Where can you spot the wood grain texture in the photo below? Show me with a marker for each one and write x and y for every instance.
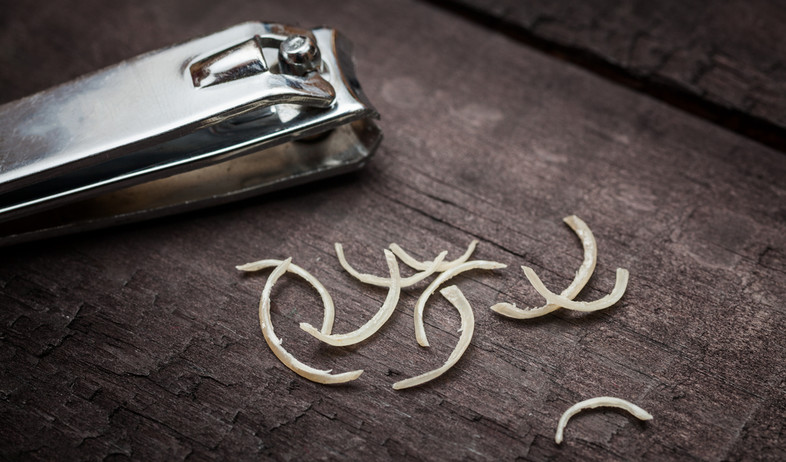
(725, 61)
(143, 342)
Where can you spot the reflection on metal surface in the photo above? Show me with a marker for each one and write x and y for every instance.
(200, 123)
(237, 62)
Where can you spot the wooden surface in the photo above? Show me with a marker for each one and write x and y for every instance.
(724, 60)
(143, 342)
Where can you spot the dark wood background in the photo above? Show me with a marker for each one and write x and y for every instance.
(143, 341)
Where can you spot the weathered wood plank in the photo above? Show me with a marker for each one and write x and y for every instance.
(143, 341)
(724, 61)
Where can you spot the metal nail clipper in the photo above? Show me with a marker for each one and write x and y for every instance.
(254, 108)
